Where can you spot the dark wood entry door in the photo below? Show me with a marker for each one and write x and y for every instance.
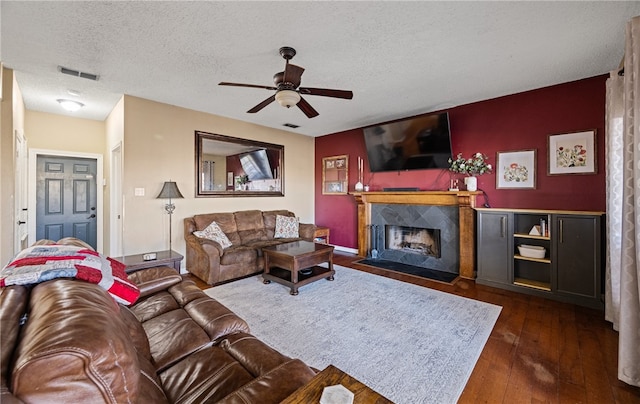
(66, 198)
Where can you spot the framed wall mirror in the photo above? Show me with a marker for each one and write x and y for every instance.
(230, 166)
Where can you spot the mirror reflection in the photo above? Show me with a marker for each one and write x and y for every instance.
(230, 166)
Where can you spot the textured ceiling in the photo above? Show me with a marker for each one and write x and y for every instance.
(399, 58)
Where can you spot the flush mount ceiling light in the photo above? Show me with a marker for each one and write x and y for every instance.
(70, 105)
(287, 98)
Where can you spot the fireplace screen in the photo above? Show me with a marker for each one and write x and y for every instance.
(413, 240)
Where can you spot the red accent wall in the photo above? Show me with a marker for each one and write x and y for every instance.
(516, 122)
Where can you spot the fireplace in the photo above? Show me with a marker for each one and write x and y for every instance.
(413, 240)
(450, 212)
(416, 235)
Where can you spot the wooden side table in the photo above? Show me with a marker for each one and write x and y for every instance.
(163, 258)
(312, 391)
(321, 235)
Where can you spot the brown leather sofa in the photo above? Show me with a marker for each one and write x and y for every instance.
(248, 231)
(67, 341)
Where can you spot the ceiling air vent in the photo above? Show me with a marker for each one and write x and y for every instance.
(291, 125)
(76, 73)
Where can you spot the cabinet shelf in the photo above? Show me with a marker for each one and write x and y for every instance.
(542, 260)
(530, 283)
(530, 236)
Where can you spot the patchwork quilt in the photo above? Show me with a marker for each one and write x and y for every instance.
(41, 263)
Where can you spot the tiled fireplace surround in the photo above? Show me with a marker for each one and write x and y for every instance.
(451, 212)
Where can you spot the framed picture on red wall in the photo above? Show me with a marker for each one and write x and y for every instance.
(516, 169)
(572, 153)
(335, 175)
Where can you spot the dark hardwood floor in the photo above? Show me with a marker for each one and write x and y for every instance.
(540, 351)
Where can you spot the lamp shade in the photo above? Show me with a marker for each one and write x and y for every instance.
(170, 191)
(287, 98)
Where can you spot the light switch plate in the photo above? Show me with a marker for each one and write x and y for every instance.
(138, 191)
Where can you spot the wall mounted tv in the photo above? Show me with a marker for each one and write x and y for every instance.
(418, 143)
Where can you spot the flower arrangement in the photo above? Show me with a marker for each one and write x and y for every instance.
(242, 179)
(476, 165)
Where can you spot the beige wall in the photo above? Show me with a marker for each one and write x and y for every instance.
(60, 132)
(6, 168)
(64, 134)
(159, 145)
(114, 128)
(12, 113)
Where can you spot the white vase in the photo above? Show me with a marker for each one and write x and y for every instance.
(471, 183)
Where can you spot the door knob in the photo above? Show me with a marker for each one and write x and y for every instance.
(21, 222)
(92, 216)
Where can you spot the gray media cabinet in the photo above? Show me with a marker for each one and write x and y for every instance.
(570, 271)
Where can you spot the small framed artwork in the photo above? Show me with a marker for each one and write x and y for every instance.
(572, 153)
(334, 187)
(335, 175)
(516, 169)
(230, 178)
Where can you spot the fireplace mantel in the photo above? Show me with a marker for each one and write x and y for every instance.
(465, 200)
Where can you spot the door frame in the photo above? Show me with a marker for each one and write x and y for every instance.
(116, 204)
(100, 182)
(21, 197)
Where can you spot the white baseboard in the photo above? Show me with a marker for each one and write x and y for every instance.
(346, 249)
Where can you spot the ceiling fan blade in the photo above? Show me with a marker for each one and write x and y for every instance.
(262, 104)
(326, 92)
(293, 74)
(224, 83)
(307, 108)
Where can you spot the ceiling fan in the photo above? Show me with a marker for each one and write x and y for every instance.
(287, 88)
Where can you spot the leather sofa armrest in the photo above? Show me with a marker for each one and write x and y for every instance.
(153, 280)
(199, 244)
(203, 258)
(215, 244)
(13, 304)
(307, 231)
(274, 386)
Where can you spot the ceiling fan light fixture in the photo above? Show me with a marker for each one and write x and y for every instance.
(287, 98)
(70, 105)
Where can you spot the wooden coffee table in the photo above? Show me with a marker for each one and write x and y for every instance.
(295, 264)
(312, 391)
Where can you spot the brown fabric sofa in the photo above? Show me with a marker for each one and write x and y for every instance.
(67, 341)
(248, 231)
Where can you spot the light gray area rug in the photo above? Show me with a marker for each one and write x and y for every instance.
(411, 344)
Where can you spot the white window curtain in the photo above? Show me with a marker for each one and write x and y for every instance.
(622, 305)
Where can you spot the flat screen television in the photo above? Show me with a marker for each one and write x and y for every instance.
(419, 143)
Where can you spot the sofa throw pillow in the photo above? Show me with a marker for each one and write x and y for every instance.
(286, 227)
(214, 232)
